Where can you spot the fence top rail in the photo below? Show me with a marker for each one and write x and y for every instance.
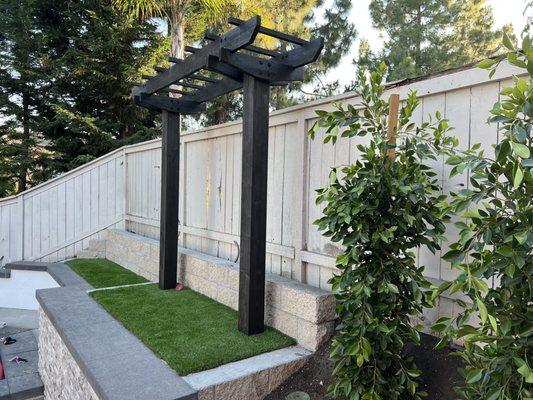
(453, 79)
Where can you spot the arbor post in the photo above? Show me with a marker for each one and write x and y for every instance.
(170, 161)
(253, 206)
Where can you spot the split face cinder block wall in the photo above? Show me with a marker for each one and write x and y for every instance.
(301, 311)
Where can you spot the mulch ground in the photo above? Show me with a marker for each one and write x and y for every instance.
(439, 370)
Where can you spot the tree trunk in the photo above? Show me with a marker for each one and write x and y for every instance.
(177, 40)
(221, 110)
(177, 44)
(418, 39)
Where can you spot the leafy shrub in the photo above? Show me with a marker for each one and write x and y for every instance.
(380, 210)
(495, 245)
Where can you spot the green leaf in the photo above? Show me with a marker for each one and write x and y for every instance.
(526, 373)
(393, 288)
(414, 373)
(474, 376)
(507, 42)
(486, 64)
(466, 330)
(521, 150)
(360, 360)
(493, 323)
(312, 131)
(439, 327)
(452, 255)
(442, 344)
(494, 395)
(518, 177)
(505, 251)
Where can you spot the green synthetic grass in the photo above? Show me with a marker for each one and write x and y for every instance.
(101, 273)
(189, 331)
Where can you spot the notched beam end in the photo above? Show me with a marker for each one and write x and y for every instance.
(303, 55)
(157, 103)
(241, 36)
(190, 49)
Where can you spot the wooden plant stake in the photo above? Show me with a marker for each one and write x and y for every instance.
(392, 125)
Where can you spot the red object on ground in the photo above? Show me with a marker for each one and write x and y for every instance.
(1, 371)
(179, 287)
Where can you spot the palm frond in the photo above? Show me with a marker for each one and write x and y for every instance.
(143, 9)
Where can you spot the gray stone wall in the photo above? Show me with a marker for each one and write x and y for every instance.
(250, 379)
(61, 375)
(301, 311)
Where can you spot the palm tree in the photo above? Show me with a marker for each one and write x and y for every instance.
(197, 14)
(173, 11)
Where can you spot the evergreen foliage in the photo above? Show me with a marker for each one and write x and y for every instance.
(66, 70)
(426, 36)
(381, 211)
(299, 17)
(20, 97)
(91, 104)
(494, 254)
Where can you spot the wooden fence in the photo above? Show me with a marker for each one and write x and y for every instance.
(56, 219)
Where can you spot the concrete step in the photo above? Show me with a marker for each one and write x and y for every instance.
(89, 254)
(97, 245)
(5, 273)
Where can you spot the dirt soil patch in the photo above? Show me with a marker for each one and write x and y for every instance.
(439, 371)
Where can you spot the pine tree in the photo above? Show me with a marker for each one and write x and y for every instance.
(65, 82)
(283, 15)
(92, 112)
(425, 36)
(338, 33)
(20, 95)
(473, 37)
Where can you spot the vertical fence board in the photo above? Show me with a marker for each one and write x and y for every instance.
(430, 105)
(458, 110)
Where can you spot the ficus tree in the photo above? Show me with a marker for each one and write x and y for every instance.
(380, 209)
(494, 251)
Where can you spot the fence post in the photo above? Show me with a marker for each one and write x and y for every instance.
(20, 204)
(299, 206)
(124, 222)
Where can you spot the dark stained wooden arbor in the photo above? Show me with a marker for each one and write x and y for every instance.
(227, 63)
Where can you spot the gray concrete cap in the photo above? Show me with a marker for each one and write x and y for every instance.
(115, 362)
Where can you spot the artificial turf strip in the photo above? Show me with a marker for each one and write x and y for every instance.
(189, 331)
(101, 273)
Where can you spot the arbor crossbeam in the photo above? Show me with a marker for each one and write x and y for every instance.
(223, 56)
